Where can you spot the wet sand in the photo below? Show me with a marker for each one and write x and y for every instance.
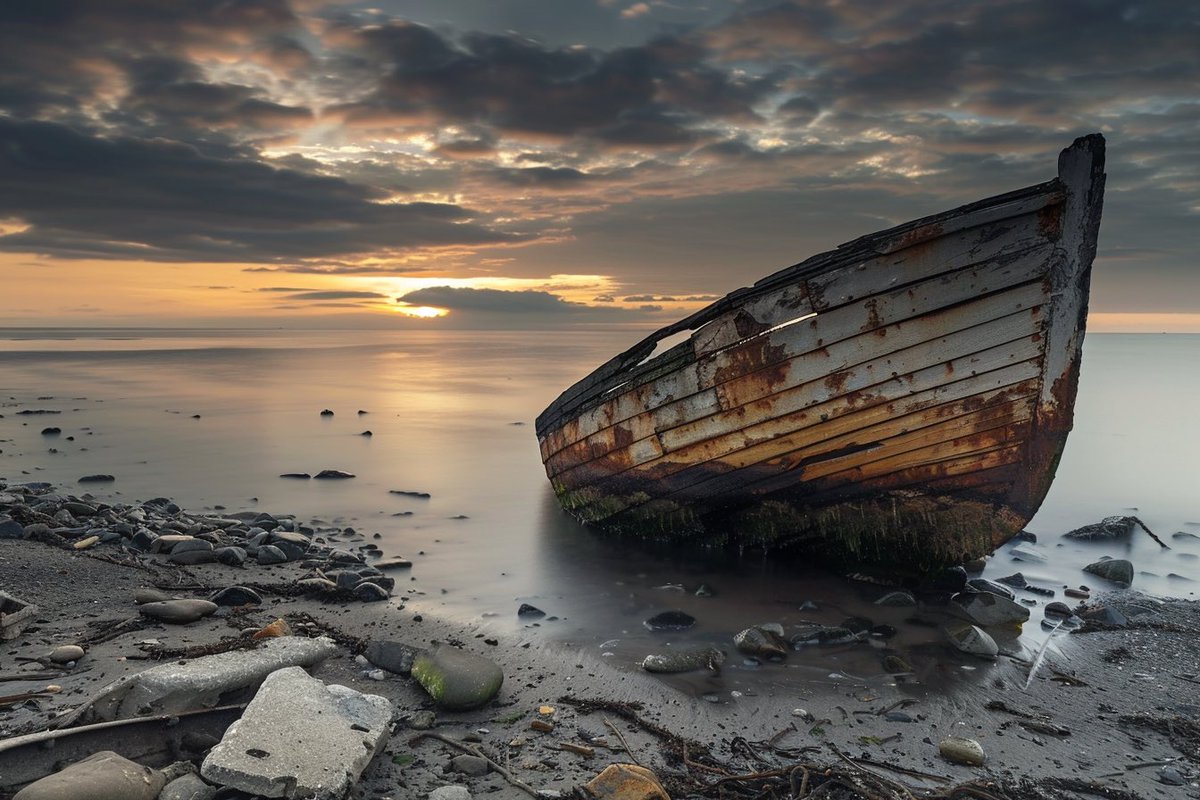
(1122, 700)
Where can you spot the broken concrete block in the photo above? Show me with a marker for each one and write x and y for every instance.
(100, 776)
(300, 738)
(200, 683)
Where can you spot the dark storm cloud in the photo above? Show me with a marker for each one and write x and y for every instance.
(649, 94)
(86, 196)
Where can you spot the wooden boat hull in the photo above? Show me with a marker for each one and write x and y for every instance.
(902, 400)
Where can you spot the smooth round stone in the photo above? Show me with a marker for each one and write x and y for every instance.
(190, 557)
(316, 586)
(760, 642)
(670, 621)
(344, 557)
(345, 579)
(178, 612)
(190, 545)
(1117, 570)
(684, 660)
(143, 596)
(962, 751)
(1057, 610)
(237, 596)
(100, 776)
(457, 680)
(66, 652)
(395, 657)
(270, 554)
(369, 592)
(231, 556)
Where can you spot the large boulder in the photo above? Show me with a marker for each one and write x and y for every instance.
(456, 679)
(1109, 529)
(1117, 570)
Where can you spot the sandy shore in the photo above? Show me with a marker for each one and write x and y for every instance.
(1106, 713)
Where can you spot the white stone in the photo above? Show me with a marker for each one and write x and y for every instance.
(300, 738)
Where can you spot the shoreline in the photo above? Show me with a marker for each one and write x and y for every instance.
(1115, 692)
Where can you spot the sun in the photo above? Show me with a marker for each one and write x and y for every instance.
(423, 312)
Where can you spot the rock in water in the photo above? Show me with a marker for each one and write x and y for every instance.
(1109, 529)
(962, 751)
(457, 680)
(178, 612)
(1117, 570)
(100, 776)
(972, 640)
(985, 608)
(760, 642)
(97, 479)
(684, 661)
(530, 612)
(327, 474)
(626, 782)
(670, 621)
(276, 750)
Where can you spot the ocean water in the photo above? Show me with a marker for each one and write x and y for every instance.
(211, 418)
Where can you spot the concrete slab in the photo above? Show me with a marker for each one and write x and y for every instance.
(199, 683)
(299, 738)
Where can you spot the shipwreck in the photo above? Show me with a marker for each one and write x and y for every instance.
(902, 400)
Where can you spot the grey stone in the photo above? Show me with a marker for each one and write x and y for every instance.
(100, 776)
(1109, 529)
(178, 612)
(143, 539)
(392, 656)
(450, 793)
(189, 545)
(231, 556)
(188, 787)
(986, 609)
(1117, 570)
(984, 585)
(1028, 553)
(456, 679)
(1106, 615)
(684, 660)
(175, 687)
(761, 643)
(333, 474)
(276, 750)
(823, 634)
(316, 586)
(395, 562)
(143, 596)
(670, 621)
(474, 766)
(962, 751)
(1170, 775)
(237, 596)
(422, 720)
(11, 529)
(897, 599)
(370, 592)
(270, 554)
(190, 557)
(973, 640)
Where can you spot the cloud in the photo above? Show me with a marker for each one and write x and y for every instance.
(527, 306)
(87, 196)
(335, 295)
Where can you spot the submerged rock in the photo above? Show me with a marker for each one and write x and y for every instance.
(761, 642)
(335, 474)
(972, 640)
(457, 680)
(823, 634)
(1109, 529)
(670, 621)
(1117, 570)
(986, 609)
(687, 660)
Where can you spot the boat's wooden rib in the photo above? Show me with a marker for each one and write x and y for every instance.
(909, 392)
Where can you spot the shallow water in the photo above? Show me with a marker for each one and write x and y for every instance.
(452, 414)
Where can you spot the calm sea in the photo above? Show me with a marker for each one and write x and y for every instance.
(452, 414)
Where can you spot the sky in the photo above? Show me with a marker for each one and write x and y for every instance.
(317, 163)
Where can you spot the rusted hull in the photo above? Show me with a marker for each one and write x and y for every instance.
(902, 400)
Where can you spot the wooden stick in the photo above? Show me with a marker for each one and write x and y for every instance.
(621, 738)
(1161, 543)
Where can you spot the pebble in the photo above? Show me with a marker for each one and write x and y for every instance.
(65, 653)
(370, 592)
(1170, 775)
(422, 720)
(962, 751)
(237, 596)
(974, 641)
(98, 478)
(270, 554)
(684, 660)
(474, 766)
(178, 612)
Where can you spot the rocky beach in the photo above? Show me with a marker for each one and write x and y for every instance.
(228, 632)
